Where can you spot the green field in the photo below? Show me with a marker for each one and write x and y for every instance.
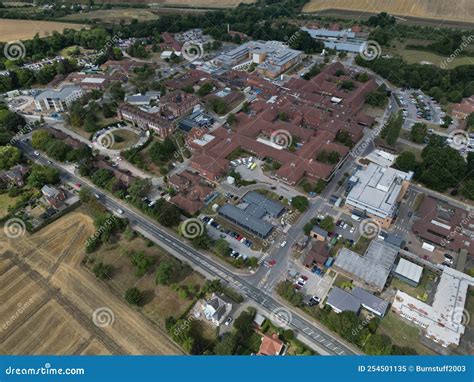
(417, 56)
(5, 202)
(402, 334)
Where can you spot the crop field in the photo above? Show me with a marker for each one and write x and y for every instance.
(48, 298)
(430, 9)
(11, 30)
(114, 15)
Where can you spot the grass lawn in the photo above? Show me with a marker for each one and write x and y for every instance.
(161, 301)
(415, 56)
(124, 139)
(402, 334)
(427, 278)
(5, 202)
(114, 15)
(417, 203)
(362, 245)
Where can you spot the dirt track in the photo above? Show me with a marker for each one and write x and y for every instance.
(48, 299)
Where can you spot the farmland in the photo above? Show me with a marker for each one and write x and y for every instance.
(48, 299)
(114, 15)
(11, 30)
(430, 9)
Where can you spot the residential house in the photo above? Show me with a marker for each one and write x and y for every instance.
(53, 196)
(271, 345)
(216, 309)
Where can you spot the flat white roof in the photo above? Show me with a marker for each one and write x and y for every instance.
(93, 80)
(443, 320)
(204, 140)
(409, 270)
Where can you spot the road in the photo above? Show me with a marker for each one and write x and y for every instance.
(323, 341)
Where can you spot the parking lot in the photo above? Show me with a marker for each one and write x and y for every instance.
(237, 242)
(418, 107)
(315, 285)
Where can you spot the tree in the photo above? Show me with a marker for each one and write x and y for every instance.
(406, 161)
(85, 195)
(231, 119)
(418, 132)
(40, 139)
(41, 175)
(327, 223)
(299, 202)
(57, 149)
(134, 296)
(9, 156)
(102, 271)
(142, 263)
(470, 121)
(205, 89)
(164, 273)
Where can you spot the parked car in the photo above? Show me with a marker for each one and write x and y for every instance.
(283, 244)
(228, 321)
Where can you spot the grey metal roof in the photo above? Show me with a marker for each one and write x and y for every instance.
(374, 267)
(409, 270)
(319, 231)
(394, 240)
(61, 94)
(272, 207)
(245, 220)
(367, 299)
(343, 301)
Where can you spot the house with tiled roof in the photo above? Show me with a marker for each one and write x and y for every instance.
(271, 345)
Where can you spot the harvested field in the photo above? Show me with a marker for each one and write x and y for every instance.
(114, 15)
(11, 30)
(429, 9)
(48, 299)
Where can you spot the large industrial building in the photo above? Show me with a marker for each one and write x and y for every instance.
(376, 191)
(58, 100)
(252, 212)
(370, 270)
(444, 320)
(271, 57)
(343, 40)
